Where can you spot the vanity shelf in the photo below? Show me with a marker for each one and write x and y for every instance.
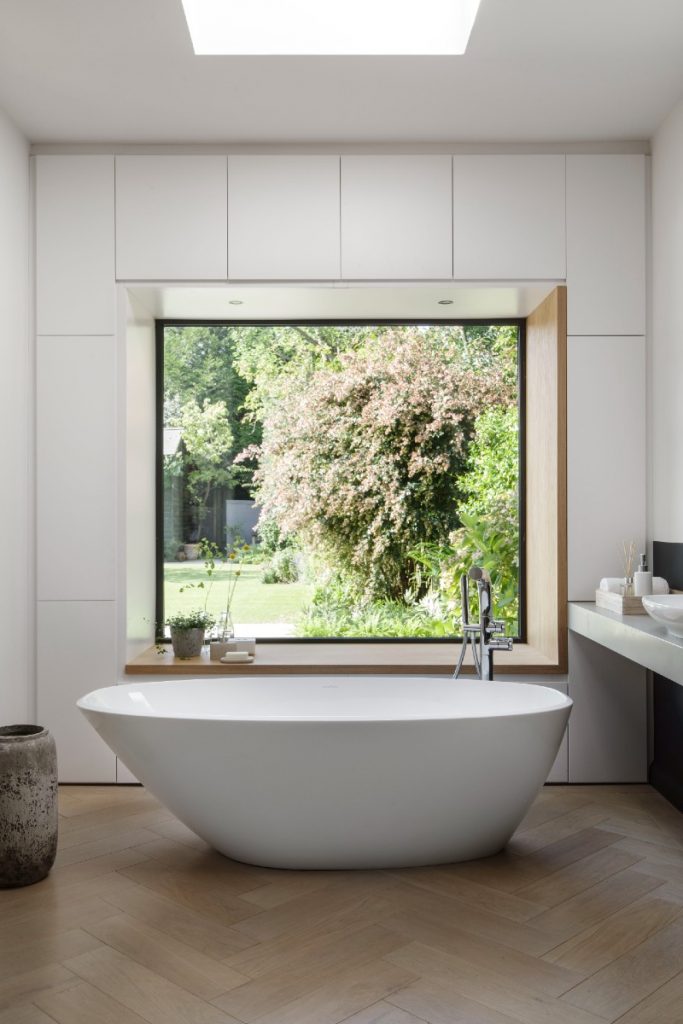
(636, 637)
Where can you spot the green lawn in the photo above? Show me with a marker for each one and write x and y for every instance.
(253, 601)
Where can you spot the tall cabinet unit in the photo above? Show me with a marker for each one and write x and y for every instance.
(606, 485)
(75, 453)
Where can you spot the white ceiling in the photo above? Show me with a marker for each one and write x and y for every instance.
(535, 71)
(339, 302)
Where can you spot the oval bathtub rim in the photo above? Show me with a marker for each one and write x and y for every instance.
(84, 704)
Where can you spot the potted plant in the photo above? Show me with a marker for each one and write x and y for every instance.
(187, 632)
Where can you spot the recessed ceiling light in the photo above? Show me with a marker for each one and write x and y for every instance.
(235, 302)
(321, 27)
(445, 302)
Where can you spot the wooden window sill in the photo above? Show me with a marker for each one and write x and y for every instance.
(343, 659)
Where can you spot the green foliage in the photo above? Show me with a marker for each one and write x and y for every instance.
(364, 462)
(171, 548)
(489, 534)
(282, 568)
(337, 610)
(207, 442)
(199, 365)
(197, 619)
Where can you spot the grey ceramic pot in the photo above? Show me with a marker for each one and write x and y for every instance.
(28, 804)
(187, 643)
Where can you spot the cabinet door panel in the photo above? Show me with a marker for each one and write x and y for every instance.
(76, 653)
(606, 244)
(396, 217)
(283, 217)
(508, 217)
(171, 218)
(606, 457)
(76, 468)
(75, 290)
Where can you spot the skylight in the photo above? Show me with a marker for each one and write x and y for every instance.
(330, 27)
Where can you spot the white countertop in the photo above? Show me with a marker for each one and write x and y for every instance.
(636, 637)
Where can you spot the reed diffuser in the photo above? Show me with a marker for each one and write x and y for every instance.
(629, 559)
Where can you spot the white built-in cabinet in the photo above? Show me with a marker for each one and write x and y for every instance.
(171, 218)
(75, 291)
(283, 218)
(194, 218)
(76, 654)
(606, 217)
(606, 456)
(509, 217)
(396, 214)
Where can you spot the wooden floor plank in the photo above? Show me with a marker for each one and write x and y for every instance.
(662, 1007)
(632, 977)
(383, 1013)
(293, 979)
(596, 903)
(342, 996)
(85, 1004)
(27, 1014)
(174, 960)
(484, 986)
(594, 948)
(143, 991)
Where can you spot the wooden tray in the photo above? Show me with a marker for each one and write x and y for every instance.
(619, 604)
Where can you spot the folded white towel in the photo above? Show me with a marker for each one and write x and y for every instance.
(613, 584)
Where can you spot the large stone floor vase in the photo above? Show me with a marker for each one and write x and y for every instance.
(28, 804)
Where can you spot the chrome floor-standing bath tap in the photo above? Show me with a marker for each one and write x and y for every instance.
(484, 636)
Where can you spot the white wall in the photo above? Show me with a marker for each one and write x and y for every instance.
(16, 413)
(666, 417)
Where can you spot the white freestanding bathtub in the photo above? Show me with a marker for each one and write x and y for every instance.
(338, 772)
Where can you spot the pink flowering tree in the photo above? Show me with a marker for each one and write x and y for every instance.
(362, 463)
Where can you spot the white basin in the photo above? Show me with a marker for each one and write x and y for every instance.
(666, 609)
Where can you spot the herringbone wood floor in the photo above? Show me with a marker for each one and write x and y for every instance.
(580, 921)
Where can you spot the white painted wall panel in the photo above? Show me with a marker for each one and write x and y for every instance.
(396, 215)
(138, 571)
(608, 724)
(75, 290)
(283, 217)
(606, 457)
(16, 419)
(171, 218)
(509, 217)
(666, 437)
(76, 654)
(606, 250)
(76, 468)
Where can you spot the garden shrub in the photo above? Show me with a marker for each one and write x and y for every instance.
(364, 462)
(282, 568)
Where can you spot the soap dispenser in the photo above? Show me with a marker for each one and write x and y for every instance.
(642, 579)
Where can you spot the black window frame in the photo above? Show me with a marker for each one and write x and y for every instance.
(159, 327)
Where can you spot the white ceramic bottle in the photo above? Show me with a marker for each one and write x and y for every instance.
(642, 579)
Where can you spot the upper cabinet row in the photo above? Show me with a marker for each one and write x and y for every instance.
(318, 218)
(326, 217)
